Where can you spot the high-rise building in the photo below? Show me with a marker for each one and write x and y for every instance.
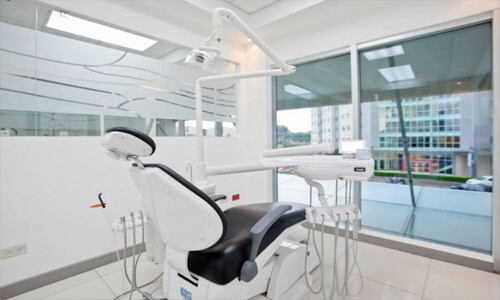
(331, 124)
(447, 134)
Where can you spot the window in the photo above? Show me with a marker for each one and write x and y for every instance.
(310, 118)
(446, 101)
(66, 97)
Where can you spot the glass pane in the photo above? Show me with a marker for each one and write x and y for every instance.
(17, 123)
(313, 107)
(437, 91)
(166, 127)
(56, 124)
(62, 78)
(18, 101)
(119, 121)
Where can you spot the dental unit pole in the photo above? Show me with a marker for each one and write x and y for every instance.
(219, 15)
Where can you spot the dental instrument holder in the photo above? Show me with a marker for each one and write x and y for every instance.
(337, 213)
(126, 223)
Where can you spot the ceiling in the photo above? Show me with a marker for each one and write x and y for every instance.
(253, 6)
(447, 63)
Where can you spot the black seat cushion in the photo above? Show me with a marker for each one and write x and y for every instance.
(222, 262)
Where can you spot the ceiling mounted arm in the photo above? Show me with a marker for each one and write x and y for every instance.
(221, 14)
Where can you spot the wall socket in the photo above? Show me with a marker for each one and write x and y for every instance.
(12, 251)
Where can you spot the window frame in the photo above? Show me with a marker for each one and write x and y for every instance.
(431, 250)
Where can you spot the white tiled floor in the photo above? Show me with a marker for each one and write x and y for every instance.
(385, 274)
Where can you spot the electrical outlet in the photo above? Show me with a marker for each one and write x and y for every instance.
(13, 251)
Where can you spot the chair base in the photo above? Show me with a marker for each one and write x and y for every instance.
(279, 273)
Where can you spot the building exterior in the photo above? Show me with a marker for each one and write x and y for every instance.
(448, 134)
(331, 124)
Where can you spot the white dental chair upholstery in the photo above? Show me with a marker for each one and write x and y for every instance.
(221, 247)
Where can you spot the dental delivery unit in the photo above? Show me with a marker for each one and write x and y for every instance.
(248, 249)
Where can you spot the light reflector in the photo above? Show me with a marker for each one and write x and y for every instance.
(67, 23)
(384, 52)
(398, 73)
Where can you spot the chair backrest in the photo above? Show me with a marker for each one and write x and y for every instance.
(186, 217)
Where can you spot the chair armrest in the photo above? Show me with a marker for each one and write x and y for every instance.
(216, 198)
(249, 269)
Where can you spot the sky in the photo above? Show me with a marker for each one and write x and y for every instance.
(297, 120)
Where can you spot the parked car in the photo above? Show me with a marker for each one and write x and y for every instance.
(395, 180)
(472, 187)
(486, 180)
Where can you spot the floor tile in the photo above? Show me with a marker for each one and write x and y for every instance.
(146, 272)
(394, 268)
(299, 184)
(388, 193)
(449, 281)
(387, 217)
(329, 242)
(456, 201)
(58, 286)
(359, 288)
(472, 232)
(300, 289)
(95, 289)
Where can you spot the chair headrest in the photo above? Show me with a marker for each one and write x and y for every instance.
(123, 142)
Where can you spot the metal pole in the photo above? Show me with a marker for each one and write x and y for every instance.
(403, 134)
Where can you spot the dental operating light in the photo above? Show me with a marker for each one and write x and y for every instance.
(74, 25)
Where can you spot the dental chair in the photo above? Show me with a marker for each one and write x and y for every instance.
(208, 253)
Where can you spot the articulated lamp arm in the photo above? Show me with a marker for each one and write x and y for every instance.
(219, 15)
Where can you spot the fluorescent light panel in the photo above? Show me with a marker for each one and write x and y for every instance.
(384, 52)
(64, 22)
(296, 90)
(398, 73)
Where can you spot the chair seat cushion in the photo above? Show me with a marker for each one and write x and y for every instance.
(222, 262)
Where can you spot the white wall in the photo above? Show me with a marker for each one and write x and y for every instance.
(48, 183)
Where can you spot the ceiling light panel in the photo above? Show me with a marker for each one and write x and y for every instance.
(74, 25)
(384, 52)
(296, 90)
(299, 91)
(398, 73)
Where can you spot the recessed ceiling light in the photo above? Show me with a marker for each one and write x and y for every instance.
(384, 52)
(398, 73)
(296, 90)
(299, 91)
(71, 24)
(249, 40)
